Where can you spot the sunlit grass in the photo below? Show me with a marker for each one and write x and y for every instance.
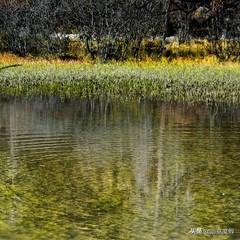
(183, 79)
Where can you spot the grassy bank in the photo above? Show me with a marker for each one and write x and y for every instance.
(204, 80)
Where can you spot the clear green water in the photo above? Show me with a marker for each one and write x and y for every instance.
(100, 170)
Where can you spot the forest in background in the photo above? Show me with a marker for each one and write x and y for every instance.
(118, 29)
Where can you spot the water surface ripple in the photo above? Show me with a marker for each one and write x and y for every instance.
(109, 170)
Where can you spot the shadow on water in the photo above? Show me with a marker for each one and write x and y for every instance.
(110, 170)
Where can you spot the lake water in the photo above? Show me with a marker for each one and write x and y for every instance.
(103, 170)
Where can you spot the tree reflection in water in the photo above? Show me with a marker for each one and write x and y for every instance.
(110, 170)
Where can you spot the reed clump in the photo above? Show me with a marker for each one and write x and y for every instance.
(186, 81)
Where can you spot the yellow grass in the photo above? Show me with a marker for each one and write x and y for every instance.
(8, 58)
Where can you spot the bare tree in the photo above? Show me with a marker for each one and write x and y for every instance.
(110, 28)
